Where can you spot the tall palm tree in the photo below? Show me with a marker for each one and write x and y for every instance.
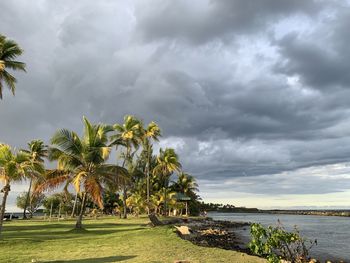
(37, 151)
(9, 50)
(13, 168)
(81, 162)
(128, 135)
(151, 132)
(167, 163)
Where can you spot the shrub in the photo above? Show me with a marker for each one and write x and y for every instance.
(275, 243)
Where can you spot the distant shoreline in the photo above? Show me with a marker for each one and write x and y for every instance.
(316, 212)
(344, 213)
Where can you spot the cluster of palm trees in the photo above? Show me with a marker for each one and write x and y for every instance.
(141, 178)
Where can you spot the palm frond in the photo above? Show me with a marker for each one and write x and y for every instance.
(78, 179)
(67, 141)
(52, 179)
(15, 65)
(10, 81)
(94, 188)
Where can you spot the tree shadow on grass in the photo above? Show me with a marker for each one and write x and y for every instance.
(47, 225)
(95, 260)
(65, 234)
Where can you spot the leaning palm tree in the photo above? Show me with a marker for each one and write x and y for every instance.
(9, 50)
(128, 135)
(167, 163)
(151, 132)
(37, 151)
(81, 162)
(13, 167)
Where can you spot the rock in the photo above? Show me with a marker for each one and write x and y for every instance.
(211, 231)
(182, 261)
(183, 230)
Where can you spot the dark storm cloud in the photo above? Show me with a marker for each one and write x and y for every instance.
(321, 58)
(261, 89)
(203, 21)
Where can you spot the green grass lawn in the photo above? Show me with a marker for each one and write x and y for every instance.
(104, 240)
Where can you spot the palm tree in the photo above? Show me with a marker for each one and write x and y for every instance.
(13, 167)
(128, 135)
(186, 184)
(81, 162)
(151, 132)
(136, 202)
(9, 50)
(164, 195)
(167, 163)
(37, 151)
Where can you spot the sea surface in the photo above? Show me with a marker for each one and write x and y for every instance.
(332, 232)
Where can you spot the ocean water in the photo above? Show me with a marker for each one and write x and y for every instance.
(332, 232)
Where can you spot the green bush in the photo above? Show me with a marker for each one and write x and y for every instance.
(275, 243)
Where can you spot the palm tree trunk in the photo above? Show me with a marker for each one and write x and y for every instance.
(165, 195)
(127, 162)
(6, 191)
(51, 210)
(27, 199)
(148, 174)
(74, 205)
(79, 223)
(125, 214)
(148, 212)
(165, 202)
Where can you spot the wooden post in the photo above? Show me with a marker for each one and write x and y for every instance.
(186, 209)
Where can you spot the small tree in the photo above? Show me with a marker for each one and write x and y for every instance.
(35, 201)
(51, 203)
(63, 201)
(111, 201)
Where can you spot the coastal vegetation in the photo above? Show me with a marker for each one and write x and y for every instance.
(228, 208)
(276, 244)
(29, 202)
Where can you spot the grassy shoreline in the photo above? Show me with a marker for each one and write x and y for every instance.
(104, 240)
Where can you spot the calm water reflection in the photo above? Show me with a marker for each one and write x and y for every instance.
(332, 233)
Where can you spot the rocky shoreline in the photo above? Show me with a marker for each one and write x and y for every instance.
(221, 234)
(210, 233)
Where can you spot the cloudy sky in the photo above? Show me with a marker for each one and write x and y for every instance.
(253, 95)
